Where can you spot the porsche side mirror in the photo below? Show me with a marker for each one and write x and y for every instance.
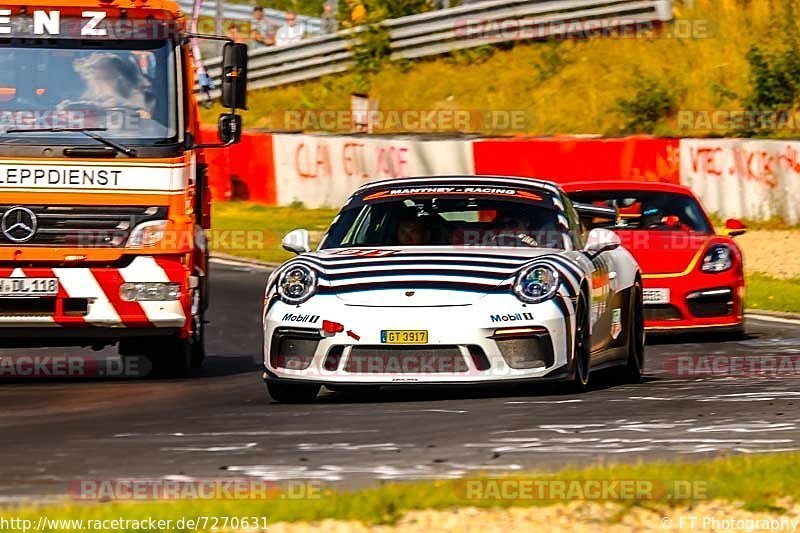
(601, 240)
(734, 228)
(297, 241)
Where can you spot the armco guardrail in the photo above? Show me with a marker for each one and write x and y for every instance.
(446, 30)
(245, 12)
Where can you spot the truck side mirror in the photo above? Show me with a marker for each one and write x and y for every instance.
(234, 76)
(230, 129)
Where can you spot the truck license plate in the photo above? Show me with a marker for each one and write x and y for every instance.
(28, 287)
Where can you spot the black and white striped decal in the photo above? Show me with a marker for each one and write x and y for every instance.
(479, 272)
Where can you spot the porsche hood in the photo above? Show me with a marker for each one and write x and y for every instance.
(426, 277)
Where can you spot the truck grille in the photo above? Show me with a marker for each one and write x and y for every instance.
(78, 226)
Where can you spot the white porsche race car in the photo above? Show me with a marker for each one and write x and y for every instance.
(452, 281)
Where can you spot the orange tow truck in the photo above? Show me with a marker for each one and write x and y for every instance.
(104, 198)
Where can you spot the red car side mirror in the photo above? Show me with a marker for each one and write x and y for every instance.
(734, 228)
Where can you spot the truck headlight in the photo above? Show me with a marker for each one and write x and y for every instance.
(150, 292)
(147, 234)
(296, 284)
(719, 258)
(536, 284)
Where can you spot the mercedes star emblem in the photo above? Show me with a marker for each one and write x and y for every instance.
(19, 224)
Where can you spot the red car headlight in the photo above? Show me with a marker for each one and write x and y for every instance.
(719, 258)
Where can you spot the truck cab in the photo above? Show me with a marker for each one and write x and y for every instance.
(104, 199)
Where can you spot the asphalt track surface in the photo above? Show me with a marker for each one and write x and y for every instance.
(221, 424)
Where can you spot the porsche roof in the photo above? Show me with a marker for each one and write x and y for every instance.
(479, 181)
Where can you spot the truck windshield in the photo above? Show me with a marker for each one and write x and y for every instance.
(128, 89)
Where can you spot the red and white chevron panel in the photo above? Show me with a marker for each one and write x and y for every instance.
(101, 286)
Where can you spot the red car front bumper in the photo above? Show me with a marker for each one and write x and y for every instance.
(695, 301)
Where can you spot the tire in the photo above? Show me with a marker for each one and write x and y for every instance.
(738, 333)
(198, 342)
(292, 392)
(200, 304)
(634, 365)
(581, 365)
(170, 357)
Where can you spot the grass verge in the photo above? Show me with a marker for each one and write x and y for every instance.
(761, 483)
(769, 294)
(255, 231)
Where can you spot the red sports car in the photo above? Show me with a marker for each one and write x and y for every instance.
(693, 276)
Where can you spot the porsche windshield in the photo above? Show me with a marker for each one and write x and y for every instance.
(645, 210)
(450, 221)
(126, 89)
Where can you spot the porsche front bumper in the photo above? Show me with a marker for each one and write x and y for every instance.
(498, 339)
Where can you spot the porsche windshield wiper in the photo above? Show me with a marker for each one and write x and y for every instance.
(89, 132)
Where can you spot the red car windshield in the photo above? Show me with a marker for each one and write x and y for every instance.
(649, 210)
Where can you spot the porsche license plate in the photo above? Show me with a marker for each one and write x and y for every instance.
(655, 296)
(403, 336)
(28, 287)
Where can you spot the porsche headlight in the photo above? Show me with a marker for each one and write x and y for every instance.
(536, 284)
(719, 258)
(296, 284)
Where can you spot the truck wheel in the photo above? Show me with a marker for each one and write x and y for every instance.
(170, 357)
(292, 392)
(198, 341)
(199, 308)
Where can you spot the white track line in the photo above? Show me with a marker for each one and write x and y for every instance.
(241, 264)
(766, 318)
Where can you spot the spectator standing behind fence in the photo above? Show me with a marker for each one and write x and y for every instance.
(291, 32)
(235, 35)
(329, 22)
(261, 31)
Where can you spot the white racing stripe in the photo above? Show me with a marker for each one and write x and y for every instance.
(81, 283)
(421, 267)
(445, 280)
